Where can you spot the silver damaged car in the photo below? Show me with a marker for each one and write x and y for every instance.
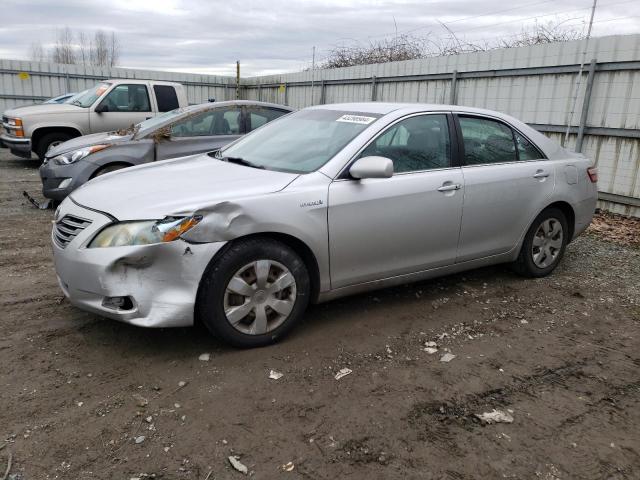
(325, 202)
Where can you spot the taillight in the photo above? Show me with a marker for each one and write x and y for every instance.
(593, 174)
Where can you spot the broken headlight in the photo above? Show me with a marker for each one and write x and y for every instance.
(144, 232)
(75, 155)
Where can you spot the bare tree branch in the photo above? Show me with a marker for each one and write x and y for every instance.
(37, 52)
(409, 47)
(64, 49)
(114, 50)
(101, 49)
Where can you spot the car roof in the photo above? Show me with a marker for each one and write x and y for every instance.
(384, 108)
(139, 81)
(226, 103)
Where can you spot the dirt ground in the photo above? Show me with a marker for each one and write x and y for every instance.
(82, 397)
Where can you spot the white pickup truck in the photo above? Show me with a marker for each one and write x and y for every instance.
(109, 105)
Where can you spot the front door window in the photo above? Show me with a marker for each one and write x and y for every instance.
(127, 98)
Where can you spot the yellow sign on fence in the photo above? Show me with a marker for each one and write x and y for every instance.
(282, 88)
(23, 76)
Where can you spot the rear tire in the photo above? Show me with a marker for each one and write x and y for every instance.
(544, 244)
(50, 140)
(254, 293)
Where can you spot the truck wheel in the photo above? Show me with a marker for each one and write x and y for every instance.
(50, 140)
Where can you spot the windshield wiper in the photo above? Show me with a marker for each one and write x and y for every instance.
(241, 161)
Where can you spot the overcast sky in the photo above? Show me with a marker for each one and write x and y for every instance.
(208, 36)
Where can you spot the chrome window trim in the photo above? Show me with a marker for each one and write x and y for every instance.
(504, 163)
(444, 113)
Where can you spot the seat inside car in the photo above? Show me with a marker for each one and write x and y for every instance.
(221, 125)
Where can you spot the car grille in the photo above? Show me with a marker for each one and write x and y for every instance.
(66, 229)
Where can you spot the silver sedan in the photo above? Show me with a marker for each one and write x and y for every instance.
(325, 202)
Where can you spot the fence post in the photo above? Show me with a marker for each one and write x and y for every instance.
(286, 94)
(238, 80)
(373, 88)
(259, 92)
(585, 104)
(452, 93)
(322, 92)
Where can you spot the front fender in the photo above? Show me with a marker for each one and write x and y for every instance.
(31, 129)
(132, 153)
(299, 210)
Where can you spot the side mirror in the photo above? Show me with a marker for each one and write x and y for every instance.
(103, 107)
(372, 167)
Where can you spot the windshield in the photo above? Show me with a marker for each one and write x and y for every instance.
(164, 118)
(300, 142)
(59, 99)
(86, 98)
(75, 96)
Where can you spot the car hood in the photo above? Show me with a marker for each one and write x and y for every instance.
(44, 109)
(176, 187)
(87, 141)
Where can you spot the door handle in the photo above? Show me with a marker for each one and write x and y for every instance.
(450, 187)
(541, 174)
(147, 118)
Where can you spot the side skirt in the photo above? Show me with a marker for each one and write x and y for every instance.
(415, 277)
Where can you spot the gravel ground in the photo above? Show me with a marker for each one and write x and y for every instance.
(87, 398)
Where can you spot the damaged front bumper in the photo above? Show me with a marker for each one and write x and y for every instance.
(58, 181)
(146, 285)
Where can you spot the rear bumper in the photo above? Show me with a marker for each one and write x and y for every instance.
(161, 280)
(18, 146)
(584, 211)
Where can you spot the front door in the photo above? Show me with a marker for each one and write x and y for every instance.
(380, 228)
(124, 105)
(507, 182)
(202, 132)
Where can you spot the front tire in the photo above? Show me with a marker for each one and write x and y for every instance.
(50, 140)
(108, 169)
(254, 293)
(544, 244)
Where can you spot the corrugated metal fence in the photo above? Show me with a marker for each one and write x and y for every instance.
(23, 83)
(536, 84)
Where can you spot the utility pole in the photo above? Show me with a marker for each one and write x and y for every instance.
(313, 74)
(238, 80)
(580, 71)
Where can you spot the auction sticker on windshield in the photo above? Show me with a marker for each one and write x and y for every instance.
(356, 119)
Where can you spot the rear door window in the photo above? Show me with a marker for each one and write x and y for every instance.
(526, 150)
(217, 121)
(166, 97)
(487, 141)
(258, 116)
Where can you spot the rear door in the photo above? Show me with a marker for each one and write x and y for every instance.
(379, 228)
(125, 105)
(507, 182)
(201, 132)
